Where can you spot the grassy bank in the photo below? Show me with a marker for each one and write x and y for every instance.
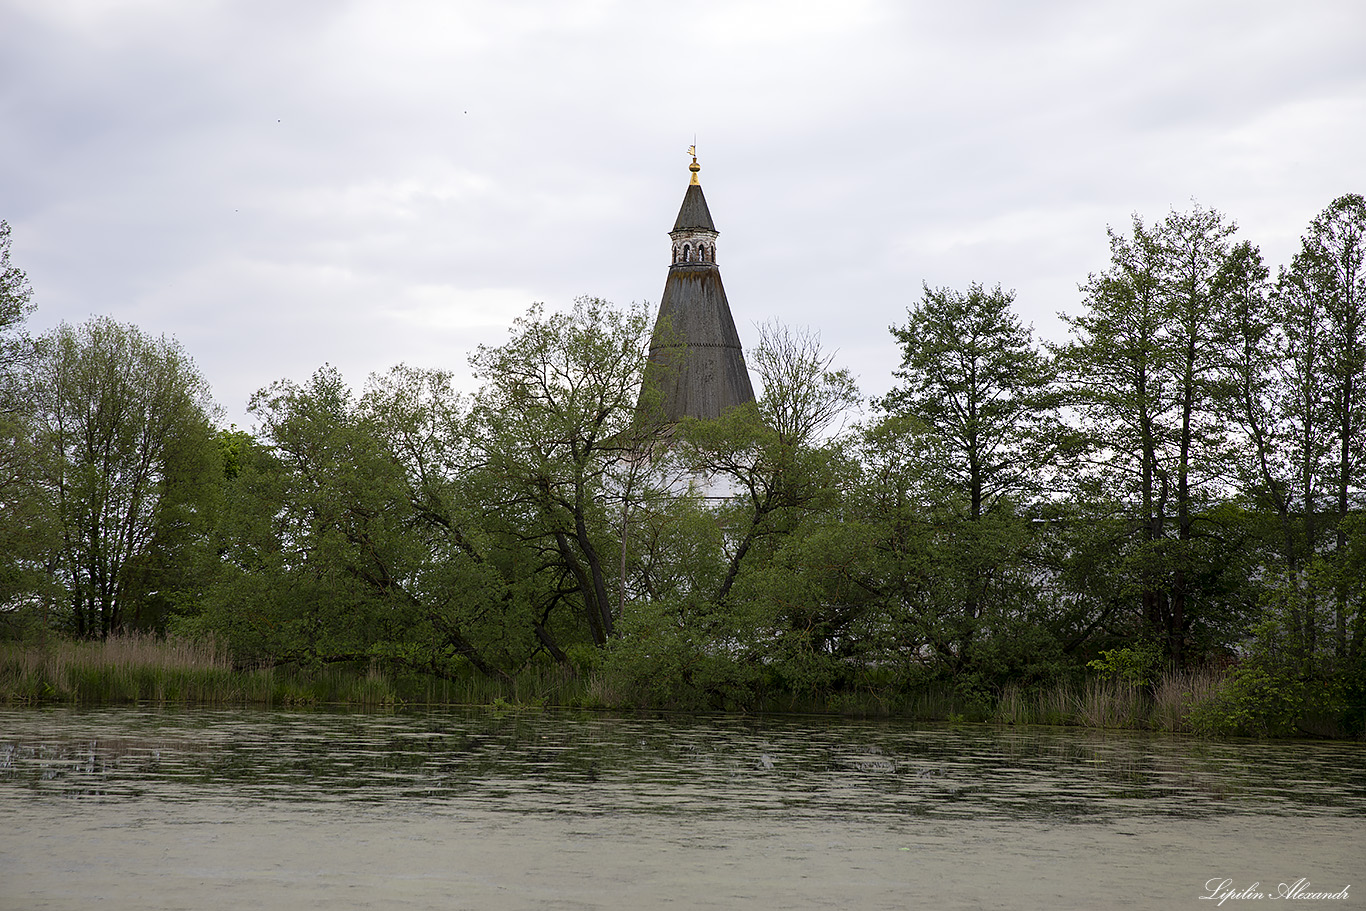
(146, 670)
(135, 669)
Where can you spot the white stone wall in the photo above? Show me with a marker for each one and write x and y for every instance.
(694, 246)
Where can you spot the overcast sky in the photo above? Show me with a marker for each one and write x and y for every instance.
(287, 183)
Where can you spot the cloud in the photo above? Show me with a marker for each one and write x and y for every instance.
(369, 182)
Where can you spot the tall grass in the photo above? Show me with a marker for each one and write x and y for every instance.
(143, 669)
(1098, 703)
(1180, 694)
(118, 669)
(147, 669)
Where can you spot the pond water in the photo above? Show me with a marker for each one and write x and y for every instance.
(126, 808)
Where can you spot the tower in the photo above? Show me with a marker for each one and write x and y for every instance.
(696, 364)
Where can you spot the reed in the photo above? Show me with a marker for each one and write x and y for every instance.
(175, 671)
(145, 669)
(1102, 703)
(1180, 693)
(118, 669)
(1112, 704)
(1055, 705)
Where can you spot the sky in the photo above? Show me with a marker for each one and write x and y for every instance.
(283, 185)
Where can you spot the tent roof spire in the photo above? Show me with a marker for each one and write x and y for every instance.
(697, 366)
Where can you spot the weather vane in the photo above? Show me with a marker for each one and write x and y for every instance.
(694, 167)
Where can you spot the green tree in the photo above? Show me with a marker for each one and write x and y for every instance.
(26, 531)
(739, 568)
(1271, 383)
(1145, 373)
(972, 375)
(16, 304)
(975, 403)
(351, 534)
(471, 577)
(1335, 257)
(122, 425)
(779, 455)
(1312, 360)
(555, 433)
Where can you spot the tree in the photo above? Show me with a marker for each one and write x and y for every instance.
(1335, 251)
(1145, 375)
(349, 535)
(16, 303)
(775, 453)
(744, 579)
(973, 377)
(468, 576)
(1320, 308)
(122, 423)
(980, 394)
(25, 527)
(1271, 379)
(555, 432)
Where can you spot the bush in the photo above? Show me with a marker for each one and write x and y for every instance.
(657, 663)
(1135, 665)
(1262, 699)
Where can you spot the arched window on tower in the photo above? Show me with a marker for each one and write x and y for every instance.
(687, 254)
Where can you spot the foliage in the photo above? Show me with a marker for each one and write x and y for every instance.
(27, 533)
(657, 662)
(961, 457)
(16, 304)
(1146, 373)
(1274, 692)
(122, 434)
(554, 427)
(973, 377)
(344, 541)
(1136, 665)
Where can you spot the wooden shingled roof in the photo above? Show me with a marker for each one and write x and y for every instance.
(696, 364)
(693, 214)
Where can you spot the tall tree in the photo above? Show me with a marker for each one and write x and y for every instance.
(123, 424)
(1195, 250)
(974, 382)
(778, 475)
(25, 527)
(16, 303)
(351, 535)
(776, 454)
(972, 375)
(1333, 259)
(555, 430)
(1144, 374)
(1272, 379)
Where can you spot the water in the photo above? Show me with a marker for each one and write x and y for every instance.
(125, 808)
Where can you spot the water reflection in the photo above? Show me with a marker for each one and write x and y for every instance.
(591, 765)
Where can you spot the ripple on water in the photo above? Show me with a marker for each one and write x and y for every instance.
(571, 763)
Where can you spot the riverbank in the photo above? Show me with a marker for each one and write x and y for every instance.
(146, 670)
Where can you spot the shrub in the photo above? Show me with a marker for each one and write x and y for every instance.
(1135, 665)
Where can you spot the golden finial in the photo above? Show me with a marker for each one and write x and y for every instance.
(694, 167)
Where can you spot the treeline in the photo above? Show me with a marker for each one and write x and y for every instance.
(1179, 484)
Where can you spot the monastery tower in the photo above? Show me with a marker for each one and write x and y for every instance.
(696, 363)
